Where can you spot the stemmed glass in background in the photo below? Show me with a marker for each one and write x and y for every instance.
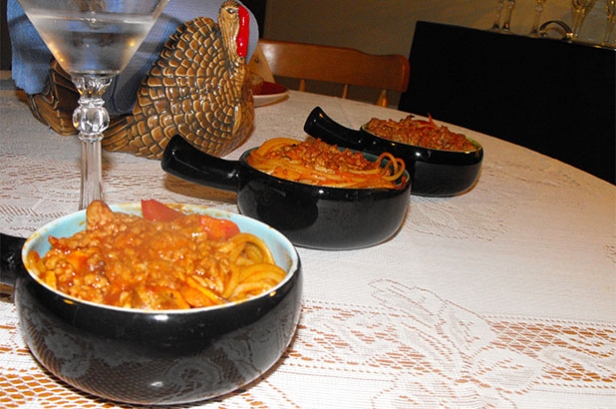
(93, 41)
(500, 4)
(580, 9)
(534, 31)
(507, 24)
(610, 9)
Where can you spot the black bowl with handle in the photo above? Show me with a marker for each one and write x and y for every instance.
(321, 217)
(434, 172)
(167, 357)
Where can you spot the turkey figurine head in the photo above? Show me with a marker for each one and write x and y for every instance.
(199, 88)
(236, 22)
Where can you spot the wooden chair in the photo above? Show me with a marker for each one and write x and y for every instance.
(339, 65)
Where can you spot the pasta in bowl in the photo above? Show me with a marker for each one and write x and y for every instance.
(165, 260)
(448, 165)
(315, 162)
(323, 216)
(173, 354)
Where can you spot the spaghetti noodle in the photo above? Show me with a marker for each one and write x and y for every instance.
(128, 261)
(315, 162)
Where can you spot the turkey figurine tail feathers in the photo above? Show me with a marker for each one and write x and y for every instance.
(199, 88)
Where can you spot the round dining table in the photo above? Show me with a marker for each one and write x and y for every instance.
(501, 297)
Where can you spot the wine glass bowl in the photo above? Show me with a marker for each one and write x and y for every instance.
(580, 9)
(93, 41)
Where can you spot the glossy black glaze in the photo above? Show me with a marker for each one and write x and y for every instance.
(434, 172)
(155, 359)
(10, 258)
(310, 216)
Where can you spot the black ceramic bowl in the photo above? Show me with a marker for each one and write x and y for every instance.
(162, 357)
(310, 216)
(434, 172)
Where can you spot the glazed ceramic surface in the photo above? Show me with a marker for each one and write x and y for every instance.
(270, 94)
(434, 172)
(161, 357)
(310, 216)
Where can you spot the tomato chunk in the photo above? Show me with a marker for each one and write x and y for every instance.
(156, 211)
(218, 229)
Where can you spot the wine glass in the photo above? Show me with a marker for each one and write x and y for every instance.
(500, 4)
(507, 24)
(534, 31)
(610, 9)
(580, 9)
(93, 41)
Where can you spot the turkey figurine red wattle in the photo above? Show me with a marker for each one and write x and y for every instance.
(244, 32)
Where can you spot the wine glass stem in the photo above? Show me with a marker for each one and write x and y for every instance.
(91, 173)
(608, 31)
(578, 19)
(91, 119)
(499, 9)
(509, 12)
(534, 31)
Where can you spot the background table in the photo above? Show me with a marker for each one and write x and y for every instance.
(532, 92)
(502, 297)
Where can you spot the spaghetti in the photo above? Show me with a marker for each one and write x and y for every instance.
(131, 262)
(426, 134)
(315, 162)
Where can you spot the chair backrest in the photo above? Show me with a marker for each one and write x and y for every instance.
(339, 65)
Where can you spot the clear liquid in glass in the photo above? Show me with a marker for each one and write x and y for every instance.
(102, 44)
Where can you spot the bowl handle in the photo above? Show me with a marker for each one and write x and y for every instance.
(319, 125)
(11, 264)
(183, 160)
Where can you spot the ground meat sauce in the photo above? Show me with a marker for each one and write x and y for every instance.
(426, 134)
(128, 261)
(315, 162)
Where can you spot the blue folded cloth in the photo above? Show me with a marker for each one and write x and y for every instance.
(31, 57)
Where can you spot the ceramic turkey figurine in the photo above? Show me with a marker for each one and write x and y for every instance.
(199, 87)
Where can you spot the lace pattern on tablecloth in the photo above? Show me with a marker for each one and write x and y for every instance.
(432, 352)
(509, 324)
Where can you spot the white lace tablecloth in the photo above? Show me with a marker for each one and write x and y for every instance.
(503, 297)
